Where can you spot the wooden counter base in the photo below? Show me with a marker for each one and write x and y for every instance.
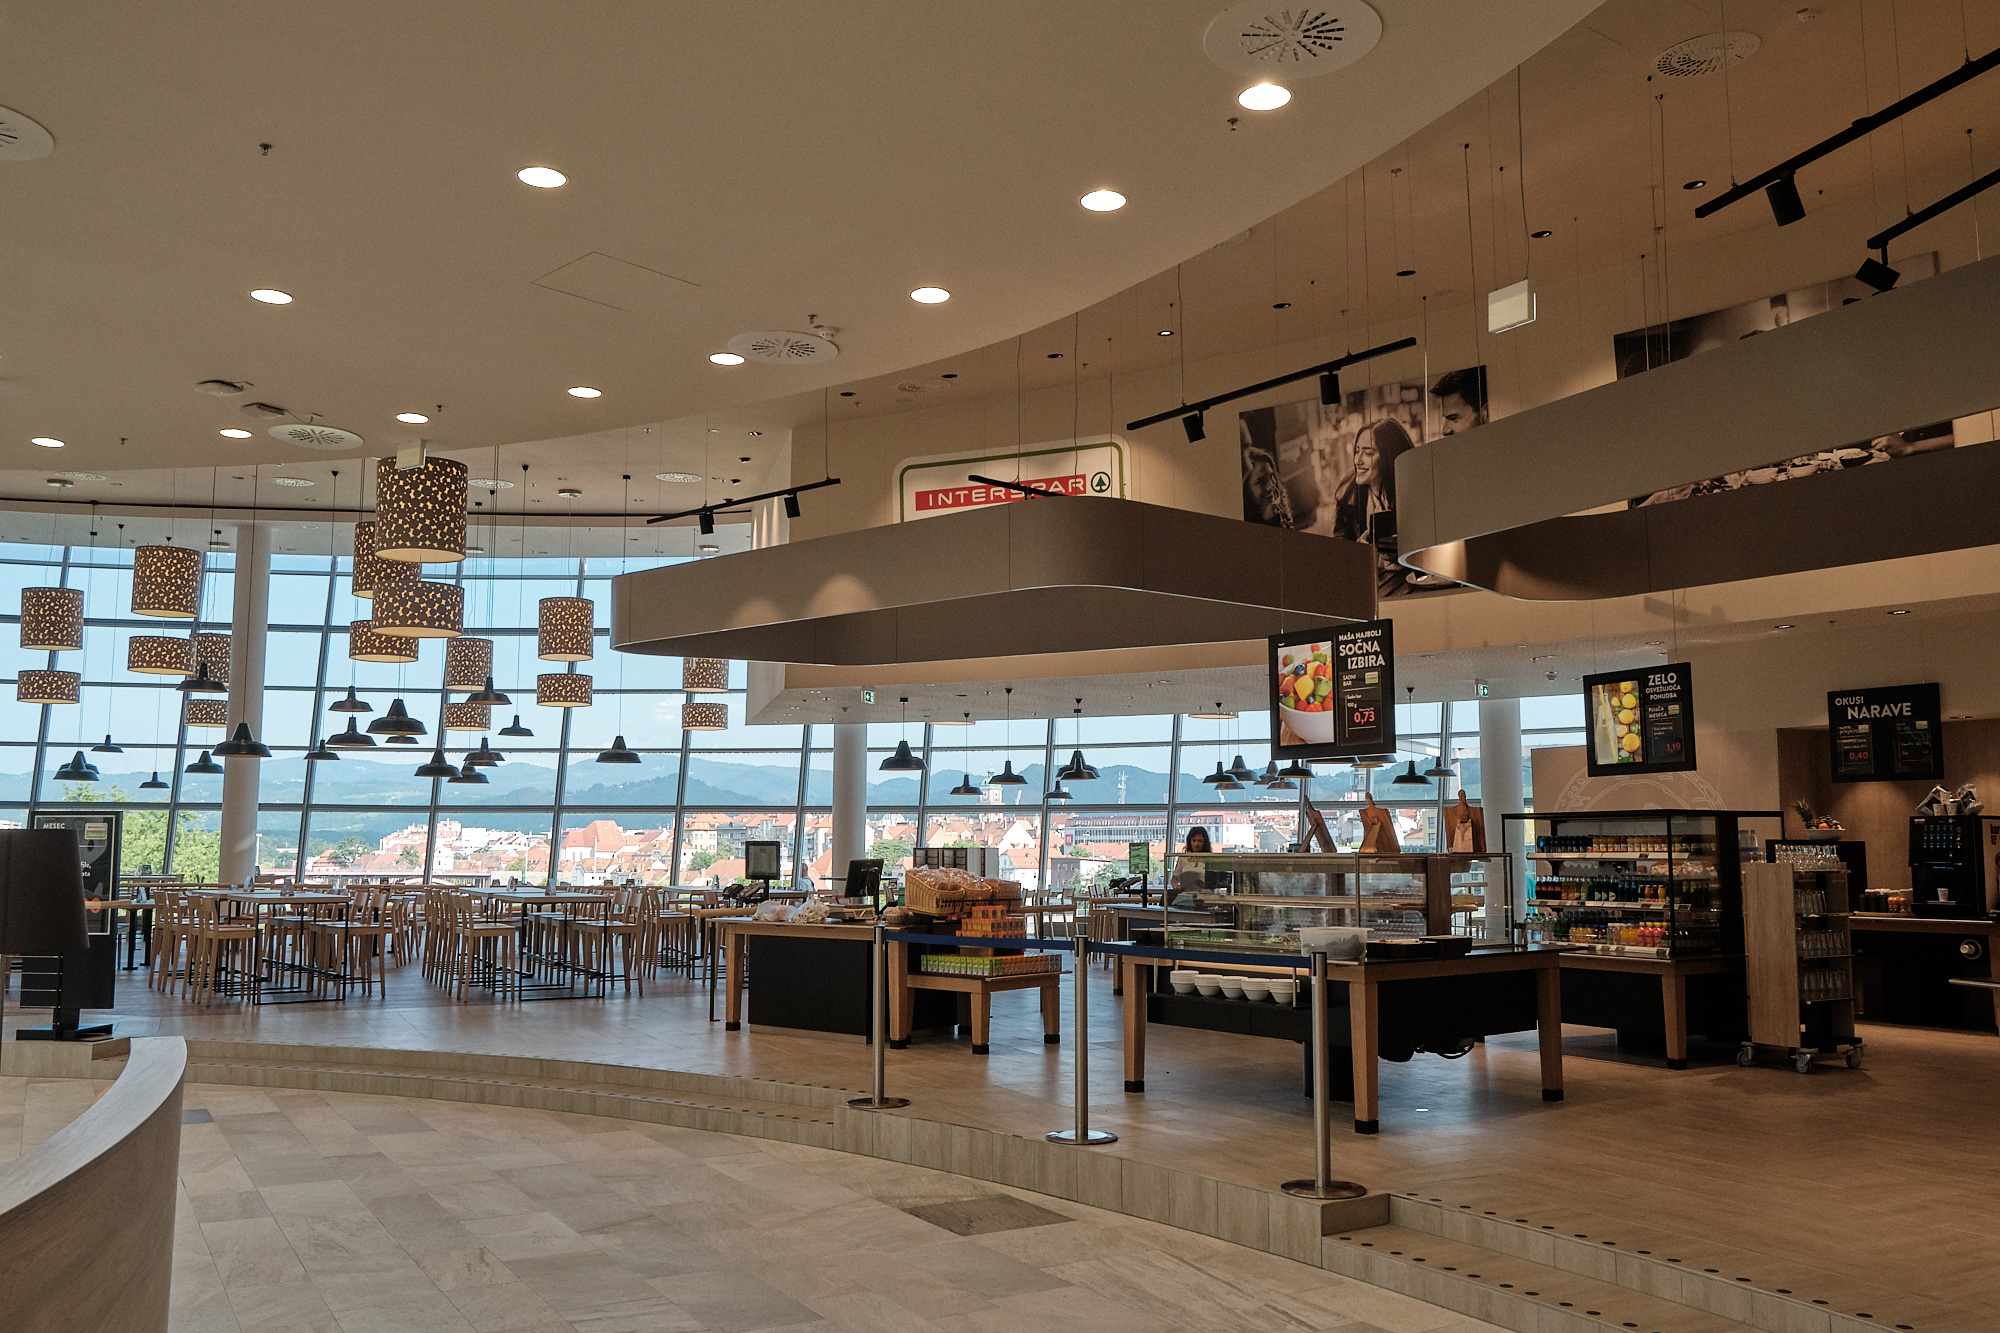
(1590, 1010)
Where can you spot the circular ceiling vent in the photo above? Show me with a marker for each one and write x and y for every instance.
(21, 139)
(1292, 43)
(932, 384)
(490, 484)
(779, 348)
(308, 436)
(82, 476)
(1706, 54)
(677, 476)
(291, 481)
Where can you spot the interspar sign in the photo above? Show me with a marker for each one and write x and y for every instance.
(942, 483)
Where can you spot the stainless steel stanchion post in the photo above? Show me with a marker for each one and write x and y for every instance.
(1322, 1185)
(878, 1035)
(1083, 1135)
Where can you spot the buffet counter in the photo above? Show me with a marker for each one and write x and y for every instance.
(807, 981)
(1904, 966)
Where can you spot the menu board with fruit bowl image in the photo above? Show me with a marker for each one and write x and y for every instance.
(1641, 721)
(1333, 692)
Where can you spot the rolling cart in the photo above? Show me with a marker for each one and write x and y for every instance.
(1799, 961)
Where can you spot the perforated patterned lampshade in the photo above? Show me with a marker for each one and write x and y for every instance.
(51, 619)
(468, 717)
(214, 650)
(365, 645)
(467, 663)
(420, 511)
(159, 655)
(704, 675)
(705, 717)
(563, 629)
(371, 571)
(47, 687)
(420, 610)
(166, 582)
(562, 689)
(205, 713)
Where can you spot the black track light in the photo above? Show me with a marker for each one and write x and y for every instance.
(517, 729)
(351, 704)
(1786, 206)
(204, 765)
(242, 745)
(438, 767)
(707, 522)
(1329, 388)
(107, 747)
(1877, 274)
(78, 769)
(1191, 423)
(791, 504)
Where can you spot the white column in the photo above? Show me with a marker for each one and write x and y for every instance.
(1500, 784)
(850, 794)
(246, 700)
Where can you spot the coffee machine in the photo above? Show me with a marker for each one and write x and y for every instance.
(1948, 866)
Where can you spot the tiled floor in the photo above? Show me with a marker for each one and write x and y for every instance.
(330, 1211)
(1884, 1173)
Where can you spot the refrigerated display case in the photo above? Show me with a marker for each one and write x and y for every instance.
(1259, 901)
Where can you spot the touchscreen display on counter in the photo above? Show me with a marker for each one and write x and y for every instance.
(1640, 720)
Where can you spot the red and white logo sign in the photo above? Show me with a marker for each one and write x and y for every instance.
(974, 494)
(943, 483)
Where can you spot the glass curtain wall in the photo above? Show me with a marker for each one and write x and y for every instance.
(684, 812)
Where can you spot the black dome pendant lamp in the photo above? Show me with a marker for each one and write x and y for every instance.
(352, 739)
(903, 761)
(107, 747)
(204, 765)
(77, 769)
(517, 729)
(353, 703)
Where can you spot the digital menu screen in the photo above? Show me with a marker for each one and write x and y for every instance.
(1640, 720)
(1890, 733)
(1333, 692)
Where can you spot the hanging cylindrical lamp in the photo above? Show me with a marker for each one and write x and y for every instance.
(214, 650)
(562, 689)
(705, 717)
(420, 610)
(420, 511)
(166, 582)
(159, 655)
(205, 712)
(563, 629)
(704, 675)
(468, 717)
(365, 644)
(51, 619)
(47, 687)
(468, 663)
(371, 571)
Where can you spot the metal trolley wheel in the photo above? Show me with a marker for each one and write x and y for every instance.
(1747, 1056)
(1802, 1060)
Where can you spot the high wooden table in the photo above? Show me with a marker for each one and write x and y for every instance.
(1389, 1006)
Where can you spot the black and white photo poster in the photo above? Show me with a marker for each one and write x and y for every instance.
(1892, 733)
(1331, 468)
(1640, 721)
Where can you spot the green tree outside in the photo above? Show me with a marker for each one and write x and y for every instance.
(197, 851)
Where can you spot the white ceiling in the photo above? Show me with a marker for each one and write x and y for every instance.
(742, 166)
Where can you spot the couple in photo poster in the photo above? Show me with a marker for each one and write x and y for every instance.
(1331, 468)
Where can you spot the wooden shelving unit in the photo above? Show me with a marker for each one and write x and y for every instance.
(1799, 963)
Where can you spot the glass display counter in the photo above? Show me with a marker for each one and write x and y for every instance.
(1258, 901)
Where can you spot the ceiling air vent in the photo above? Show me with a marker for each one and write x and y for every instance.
(932, 384)
(21, 139)
(1706, 54)
(779, 348)
(308, 436)
(1291, 42)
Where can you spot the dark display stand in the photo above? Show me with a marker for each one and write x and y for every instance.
(79, 979)
(821, 985)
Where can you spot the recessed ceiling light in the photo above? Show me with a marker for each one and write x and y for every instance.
(1656, 643)
(676, 476)
(1406, 273)
(1103, 201)
(542, 178)
(754, 432)
(707, 549)
(1541, 235)
(413, 418)
(1281, 305)
(1263, 97)
(585, 391)
(47, 442)
(291, 481)
(930, 296)
(725, 358)
(1693, 184)
(1783, 627)
(1166, 333)
(1899, 613)
(271, 296)
(231, 433)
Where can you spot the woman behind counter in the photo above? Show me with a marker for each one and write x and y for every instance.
(1191, 880)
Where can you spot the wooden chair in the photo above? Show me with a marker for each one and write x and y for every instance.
(473, 942)
(354, 944)
(173, 923)
(214, 944)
